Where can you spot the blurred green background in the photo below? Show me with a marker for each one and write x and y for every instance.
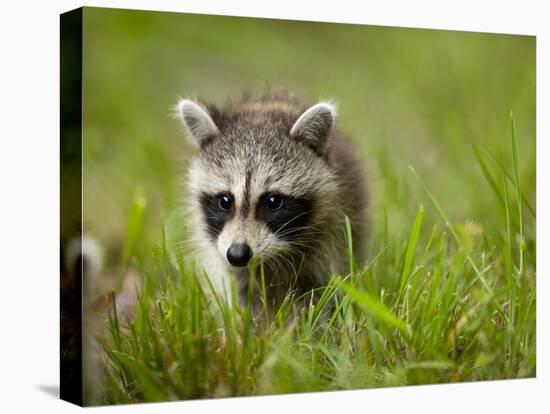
(405, 96)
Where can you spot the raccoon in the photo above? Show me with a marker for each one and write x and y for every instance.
(272, 179)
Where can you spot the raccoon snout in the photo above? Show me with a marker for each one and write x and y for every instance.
(239, 254)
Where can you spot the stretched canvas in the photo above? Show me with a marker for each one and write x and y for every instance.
(257, 206)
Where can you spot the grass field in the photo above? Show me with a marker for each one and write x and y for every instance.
(445, 122)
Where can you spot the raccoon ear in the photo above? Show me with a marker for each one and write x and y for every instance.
(314, 126)
(196, 119)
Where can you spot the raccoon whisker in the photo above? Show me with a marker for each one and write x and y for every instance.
(268, 263)
(287, 255)
(280, 254)
(291, 220)
(308, 244)
(316, 227)
(280, 262)
(308, 249)
(303, 233)
(186, 249)
(187, 245)
(183, 247)
(188, 241)
(309, 235)
(297, 229)
(304, 242)
(303, 238)
(274, 270)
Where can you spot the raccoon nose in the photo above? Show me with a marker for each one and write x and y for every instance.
(239, 254)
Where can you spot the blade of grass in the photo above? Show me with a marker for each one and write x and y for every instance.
(349, 241)
(507, 254)
(377, 309)
(433, 364)
(485, 169)
(411, 248)
(515, 153)
(508, 177)
(447, 222)
(135, 223)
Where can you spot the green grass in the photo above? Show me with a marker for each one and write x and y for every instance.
(457, 305)
(448, 291)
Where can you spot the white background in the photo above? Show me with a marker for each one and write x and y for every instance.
(29, 206)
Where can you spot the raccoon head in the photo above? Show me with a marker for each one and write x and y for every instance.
(260, 184)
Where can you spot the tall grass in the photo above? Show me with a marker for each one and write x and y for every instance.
(446, 302)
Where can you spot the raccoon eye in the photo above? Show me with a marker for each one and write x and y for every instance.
(274, 201)
(225, 202)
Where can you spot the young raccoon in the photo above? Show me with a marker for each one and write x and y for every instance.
(272, 179)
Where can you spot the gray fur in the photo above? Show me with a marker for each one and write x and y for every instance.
(276, 144)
